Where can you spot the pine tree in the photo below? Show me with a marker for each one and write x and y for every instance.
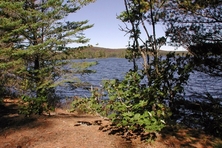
(10, 26)
(33, 35)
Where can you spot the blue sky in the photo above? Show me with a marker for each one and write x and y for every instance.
(106, 32)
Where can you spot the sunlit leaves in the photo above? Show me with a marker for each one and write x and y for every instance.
(134, 105)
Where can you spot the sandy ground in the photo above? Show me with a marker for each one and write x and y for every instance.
(71, 130)
(62, 130)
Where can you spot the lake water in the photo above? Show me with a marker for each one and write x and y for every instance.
(115, 68)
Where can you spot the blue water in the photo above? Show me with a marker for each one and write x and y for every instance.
(115, 68)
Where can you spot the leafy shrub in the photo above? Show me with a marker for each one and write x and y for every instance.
(82, 105)
(130, 104)
(168, 75)
(31, 105)
(92, 105)
(133, 105)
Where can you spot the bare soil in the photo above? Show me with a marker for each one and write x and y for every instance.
(71, 130)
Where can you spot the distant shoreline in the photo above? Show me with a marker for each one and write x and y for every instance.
(101, 52)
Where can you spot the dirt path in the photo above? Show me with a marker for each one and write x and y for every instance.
(63, 130)
(66, 130)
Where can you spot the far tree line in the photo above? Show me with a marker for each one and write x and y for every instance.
(90, 52)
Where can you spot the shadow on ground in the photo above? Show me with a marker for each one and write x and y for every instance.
(176, 136)
(172, 137)
(10, 119)
(128, 135)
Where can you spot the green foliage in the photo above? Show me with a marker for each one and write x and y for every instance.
(85, 106)
(136, 105)
(32, 35)
(133, 106)
(81, 67)
(92, 105)
(31, 106)
(84, 65)
(147, 106)
(196, 25)
(82, 105)
(169, 74)
(97, 52)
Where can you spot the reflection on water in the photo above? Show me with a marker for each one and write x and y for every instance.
(115, 68)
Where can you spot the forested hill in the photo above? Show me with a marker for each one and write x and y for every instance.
(101, 52)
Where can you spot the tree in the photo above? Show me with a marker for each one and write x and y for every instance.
(144, 98)
(196, 25)
(194, 22)
(10, 25)
(33, 33)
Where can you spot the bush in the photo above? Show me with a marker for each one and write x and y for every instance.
(31, 105)
(133, 106)
(92, 105)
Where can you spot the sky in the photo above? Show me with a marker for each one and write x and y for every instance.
(106, 30)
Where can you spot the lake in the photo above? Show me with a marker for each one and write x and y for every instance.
(115, 68)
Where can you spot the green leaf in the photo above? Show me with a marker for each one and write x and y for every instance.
(129, 114)
(136, 117)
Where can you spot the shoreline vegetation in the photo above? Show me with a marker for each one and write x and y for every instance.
(101, 52)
